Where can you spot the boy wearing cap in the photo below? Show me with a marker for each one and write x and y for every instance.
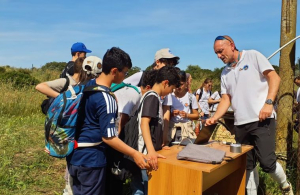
(78, 50)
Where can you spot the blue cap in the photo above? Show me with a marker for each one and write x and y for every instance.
(79, 47)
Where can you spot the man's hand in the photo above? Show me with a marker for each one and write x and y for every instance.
(152, 156)
(141, 160)
(210, 121)
(265, 112)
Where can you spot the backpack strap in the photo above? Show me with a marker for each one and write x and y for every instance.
(190, 100)
(95, 88)
(66, 85)
(201, 91)
(200, 94)
(114, 87)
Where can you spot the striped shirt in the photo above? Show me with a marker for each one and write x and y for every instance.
(100, 116)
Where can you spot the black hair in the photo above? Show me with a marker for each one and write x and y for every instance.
(296, 78)
(74, 53)
(168, 73)
(115, 58)
(169, 61)
(182, 76)
(148, 78)
(78, 65)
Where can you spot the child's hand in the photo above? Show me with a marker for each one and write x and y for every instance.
(141, 160)
(152, 156)
(175, 112)
(201, 114)
(183, 114)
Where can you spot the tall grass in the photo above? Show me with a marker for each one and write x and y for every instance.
(24, 167)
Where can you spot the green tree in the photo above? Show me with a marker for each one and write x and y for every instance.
(133, 70)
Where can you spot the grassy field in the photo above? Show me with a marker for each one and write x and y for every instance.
(24, 167)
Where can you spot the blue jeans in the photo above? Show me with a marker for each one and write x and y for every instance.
(139, 183)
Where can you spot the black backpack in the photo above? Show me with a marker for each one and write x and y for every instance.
(69, 69)
(121, 165)
(47, 102)
(201, 91)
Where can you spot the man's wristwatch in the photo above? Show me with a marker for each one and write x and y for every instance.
(269, 102)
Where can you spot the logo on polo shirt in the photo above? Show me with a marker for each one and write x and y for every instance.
(244, 68)
(186, 104)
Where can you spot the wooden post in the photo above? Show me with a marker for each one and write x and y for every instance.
(286, 73)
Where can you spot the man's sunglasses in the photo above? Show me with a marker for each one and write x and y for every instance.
(222, 38)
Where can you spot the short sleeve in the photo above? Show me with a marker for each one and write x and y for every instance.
(57, 84)
(263, 63)
(107, 116)
(150, 107)
(214, 95)
(167, 100)
(223, 83)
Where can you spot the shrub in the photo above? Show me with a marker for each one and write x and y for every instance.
(19, 79)
(2, 69)
(54, 66)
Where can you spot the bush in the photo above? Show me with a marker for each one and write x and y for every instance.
(2, 69)
(54, 66)
(19, 79)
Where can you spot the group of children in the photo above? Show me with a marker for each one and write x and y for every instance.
(167, 107)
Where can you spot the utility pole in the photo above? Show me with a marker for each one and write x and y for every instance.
(286, 73)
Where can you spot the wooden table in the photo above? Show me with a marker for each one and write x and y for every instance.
(181, 177)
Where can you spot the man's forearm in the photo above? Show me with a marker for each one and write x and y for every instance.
(222, 107)
(273, 82)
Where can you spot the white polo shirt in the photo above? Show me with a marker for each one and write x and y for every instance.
(247, 86)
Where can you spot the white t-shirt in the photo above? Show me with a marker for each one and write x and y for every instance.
(247, 86)
(134, 79)
(182, 104)
(167, 100)
(127, 99)
(58, 84)
(203, 101)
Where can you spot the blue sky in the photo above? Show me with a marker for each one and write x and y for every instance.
(36, 32)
